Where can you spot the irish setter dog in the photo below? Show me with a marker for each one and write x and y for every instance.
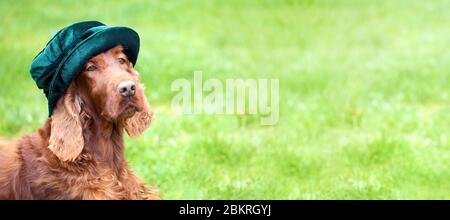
(79, 152)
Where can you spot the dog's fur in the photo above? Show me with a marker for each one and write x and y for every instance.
(79, 152)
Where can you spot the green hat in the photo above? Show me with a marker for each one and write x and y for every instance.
(65, 54)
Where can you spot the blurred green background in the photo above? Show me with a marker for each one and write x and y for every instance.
(364, 93)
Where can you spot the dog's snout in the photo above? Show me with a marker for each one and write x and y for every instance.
(127, 88)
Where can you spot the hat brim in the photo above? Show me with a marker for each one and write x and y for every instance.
(101, 41)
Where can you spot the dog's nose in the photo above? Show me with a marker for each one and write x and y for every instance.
(127, 88)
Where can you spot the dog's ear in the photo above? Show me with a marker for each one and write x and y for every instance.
(140, 120)
(66, 138)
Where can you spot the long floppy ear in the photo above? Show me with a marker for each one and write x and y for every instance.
(140, 120)
(66, 139)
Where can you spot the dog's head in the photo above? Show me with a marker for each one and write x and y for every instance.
(108, 88)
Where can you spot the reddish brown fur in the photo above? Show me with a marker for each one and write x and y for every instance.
(79, 152)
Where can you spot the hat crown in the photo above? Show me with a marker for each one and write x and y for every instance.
(61, 42)
(68, 35)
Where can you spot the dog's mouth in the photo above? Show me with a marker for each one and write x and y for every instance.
(126, 110)
(129, 109)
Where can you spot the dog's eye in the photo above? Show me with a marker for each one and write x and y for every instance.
(92, 68)
(122, 61)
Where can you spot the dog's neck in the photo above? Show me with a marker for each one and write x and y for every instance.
(104, 140)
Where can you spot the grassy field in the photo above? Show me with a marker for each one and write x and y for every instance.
(364, 93)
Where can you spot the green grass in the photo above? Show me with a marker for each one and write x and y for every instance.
(364, 93)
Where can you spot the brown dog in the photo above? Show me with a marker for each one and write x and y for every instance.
(79, 152)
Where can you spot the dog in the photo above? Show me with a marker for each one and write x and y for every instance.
(79, 151)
